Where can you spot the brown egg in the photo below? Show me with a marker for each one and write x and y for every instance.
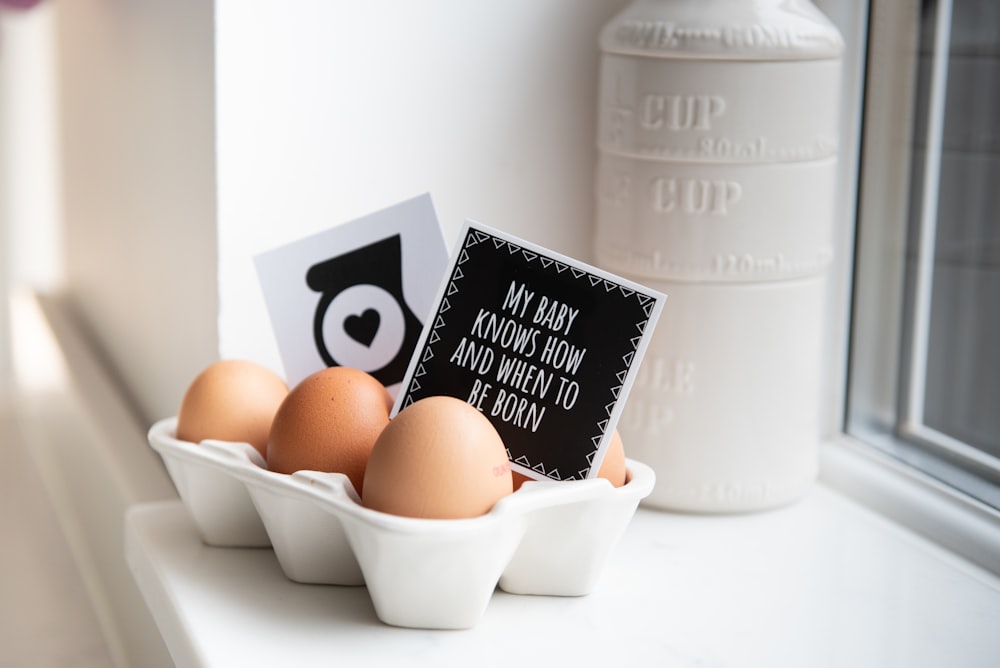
(329, 422)
(231, 400)
(439, 458)
(612, 468)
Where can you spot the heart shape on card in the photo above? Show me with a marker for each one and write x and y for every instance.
(363, 328)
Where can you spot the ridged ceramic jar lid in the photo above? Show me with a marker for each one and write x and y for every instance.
(723, 30)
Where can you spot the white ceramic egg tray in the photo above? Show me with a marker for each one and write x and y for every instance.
(548, 538)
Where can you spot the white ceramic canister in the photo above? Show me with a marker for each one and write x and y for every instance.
(716, 180)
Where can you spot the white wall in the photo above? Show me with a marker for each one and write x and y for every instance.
(30, 204)
(304, 115)
(29, 194)
(330, 110)
(138, 146)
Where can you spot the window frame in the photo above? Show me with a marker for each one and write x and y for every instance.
(885, 456)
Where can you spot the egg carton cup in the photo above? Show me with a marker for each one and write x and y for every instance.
(548, 538)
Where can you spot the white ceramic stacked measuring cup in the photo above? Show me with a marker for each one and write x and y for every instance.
(717, 142)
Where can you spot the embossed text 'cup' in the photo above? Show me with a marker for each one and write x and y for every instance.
(718, 111)
(709, 222)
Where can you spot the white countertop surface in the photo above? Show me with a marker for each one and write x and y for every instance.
(824, 582)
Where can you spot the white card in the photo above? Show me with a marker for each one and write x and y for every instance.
(356, 294)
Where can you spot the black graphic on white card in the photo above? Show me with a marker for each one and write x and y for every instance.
(546, 347)
(362, 320)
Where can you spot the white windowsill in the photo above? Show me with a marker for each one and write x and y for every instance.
(824, 582)
(913, 499)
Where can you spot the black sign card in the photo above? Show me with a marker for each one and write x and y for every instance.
(545, 346)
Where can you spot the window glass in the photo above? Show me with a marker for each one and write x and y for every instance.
(944, 416)
(962, 375)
